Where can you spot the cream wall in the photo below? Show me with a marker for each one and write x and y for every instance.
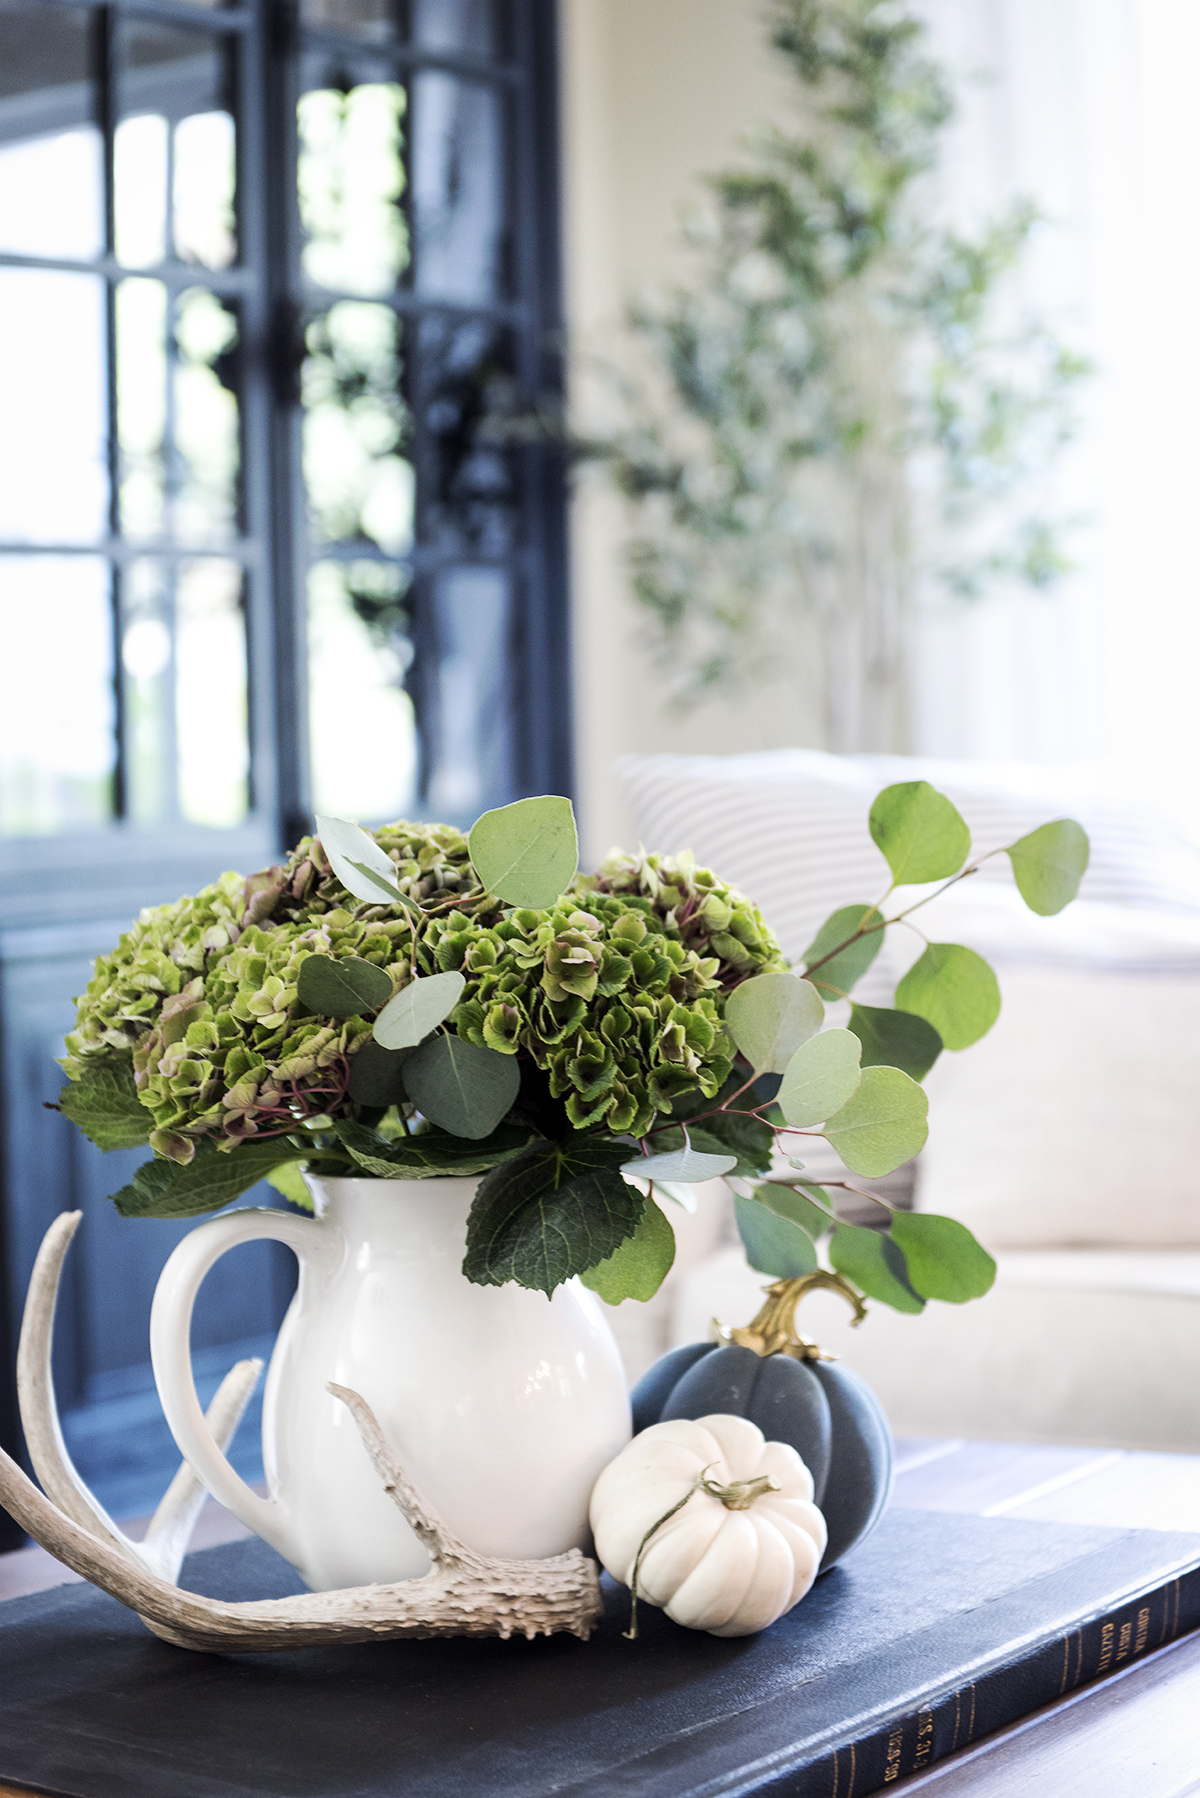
(655, 94)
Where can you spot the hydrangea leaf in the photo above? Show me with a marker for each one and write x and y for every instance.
(460, 1087)
(288, 1181)
(417, 1009)
(104, 1103)
(555, 1211)
(639, 1266)
(875, 1264)
(820, 1078)
(526, 853)
(944, 1260)
(687, 1166)
(884, 1124)
(342, 986)
(770, 1016)
(774, 1245)
(895, 1039)
(835, 977)
(211, 1179)
(923, 835)
(1049, 864)
(363, 868)
(429, 1153)
(953, 989)
(377, 1076)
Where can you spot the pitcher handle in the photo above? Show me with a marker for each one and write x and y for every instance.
(171, 1354)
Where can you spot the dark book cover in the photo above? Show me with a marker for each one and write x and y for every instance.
(937, 1631)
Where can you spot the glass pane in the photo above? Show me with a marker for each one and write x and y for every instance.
(174, 153)
(57, 708)
(371, 21)
(457, 188)
(359, 484)
(467, 385)
(177, 416)
(53, 469)
(362, 730)
(472, 768)
(51, 153)
(183, 654)
(351, 179)
(467, 27)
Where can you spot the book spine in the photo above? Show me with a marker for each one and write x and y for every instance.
(1005, 1695)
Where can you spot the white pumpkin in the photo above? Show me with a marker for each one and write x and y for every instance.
(729, 1564)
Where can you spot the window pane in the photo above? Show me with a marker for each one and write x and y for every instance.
(174, 154)
(471, 768)
(362, 731)
(53, 469)
(57, 709)
(359, 484)
(51, 153)
(177, 418)
(457, 188)
(351, 179)
(371, 21)
(467, 27)
(183, 654)
(466, 386)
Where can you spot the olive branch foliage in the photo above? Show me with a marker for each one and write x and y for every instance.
(844, 397)
(427, 1095)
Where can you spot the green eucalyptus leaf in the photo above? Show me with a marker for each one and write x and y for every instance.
(417, 1009)
(360, 864)
(875, 1264)
(461, 1087)
(769, 1017)
(860, 928)
(884, 1124)
(895, 1039)
(526, 853)
(556, 1210)
(953, 989)
(639, 1266)
(685, 1166)
(1049, 864)
(211, 1179)
(428, 1153)
(944, 1260)
(104, 1104)
(794, 1203)
(820, 1078)
(923, 836)
(377, 1076)
(342, 986)
(774, 1245)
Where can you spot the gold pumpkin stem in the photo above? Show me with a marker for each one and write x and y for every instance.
(773, 1331)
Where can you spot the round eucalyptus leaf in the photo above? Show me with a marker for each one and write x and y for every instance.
(685, 1166)
(875, 1264)
(526, 853)
(794, 1202)
(859, 927)
(342, 986)
(461, 1087)
(953, 989)
(944, 1260)
(923, 836)
(638, 1267)
(417, 1009)
(895, 1039)
(774, 1245)
(359, 863)
(820, 1078)
(376, 1077)
(884, 1124)
(1049, 864)
(770, 1016)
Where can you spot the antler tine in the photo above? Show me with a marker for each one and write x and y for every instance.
(171, 1527)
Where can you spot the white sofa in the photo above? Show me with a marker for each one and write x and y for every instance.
(1068, 1139)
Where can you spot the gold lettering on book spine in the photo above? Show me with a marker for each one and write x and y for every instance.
(1106, 1648)
(1143, 1629)
(923, 1753)
(891, 1769)
(1125, 1639)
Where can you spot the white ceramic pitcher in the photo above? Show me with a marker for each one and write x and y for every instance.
(502, 1404)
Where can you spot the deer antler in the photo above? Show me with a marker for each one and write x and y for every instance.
(463, 1594)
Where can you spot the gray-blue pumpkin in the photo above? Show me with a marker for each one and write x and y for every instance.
(827, 1413)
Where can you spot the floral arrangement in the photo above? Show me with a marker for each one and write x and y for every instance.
(410, 1002)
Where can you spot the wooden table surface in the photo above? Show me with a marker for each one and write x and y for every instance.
(1135, 1733)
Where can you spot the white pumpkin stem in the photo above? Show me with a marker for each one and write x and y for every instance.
(739, 1495)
